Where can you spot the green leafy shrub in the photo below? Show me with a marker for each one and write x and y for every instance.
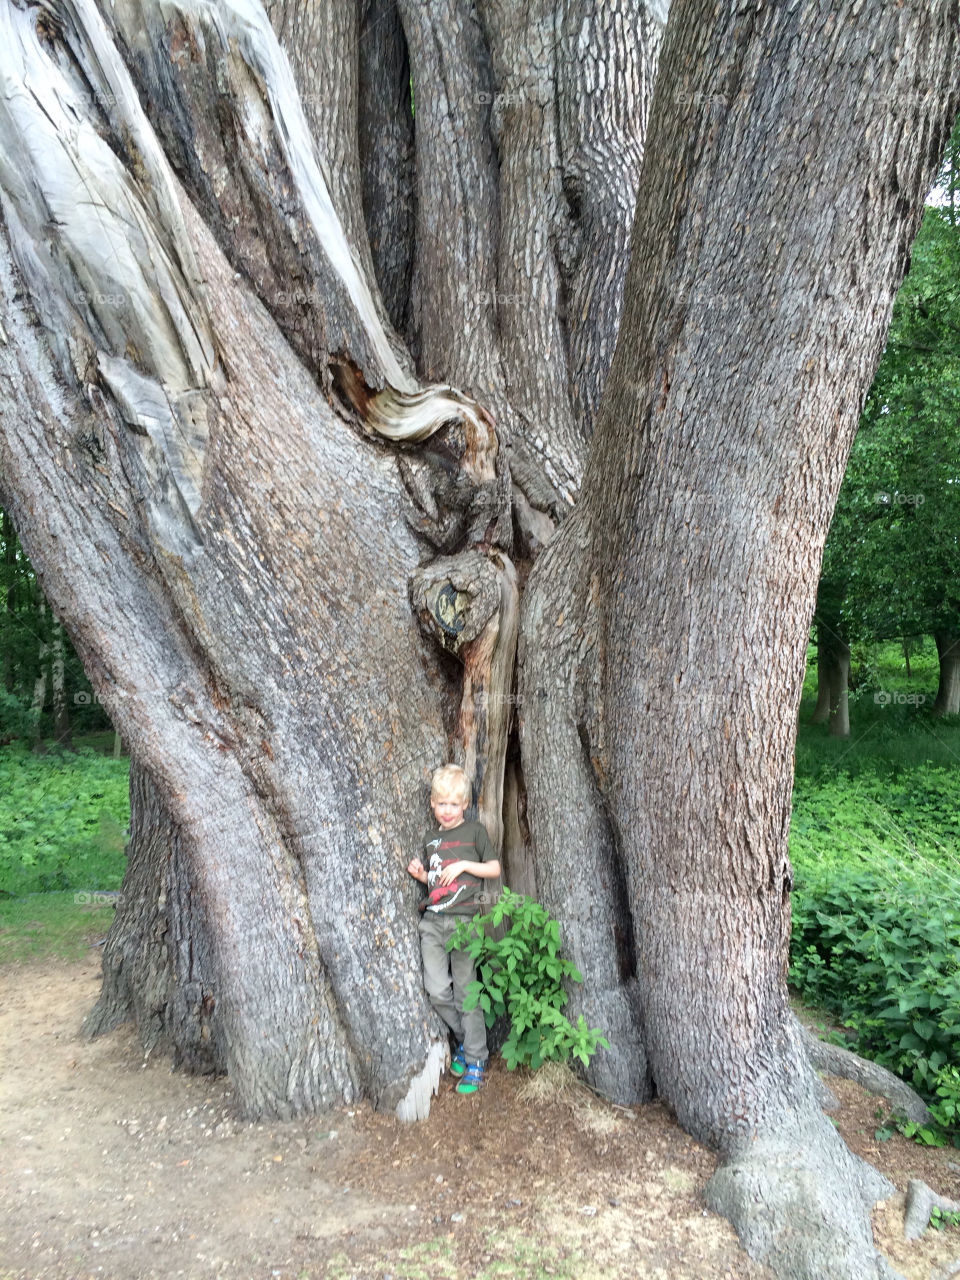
(17, 717)
(521, 975)
(62, 821)
(867, 946)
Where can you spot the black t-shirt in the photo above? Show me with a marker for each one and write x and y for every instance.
(468, 842)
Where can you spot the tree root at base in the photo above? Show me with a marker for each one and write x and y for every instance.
(836, 1061)
(800, 1202)
(920, 1200)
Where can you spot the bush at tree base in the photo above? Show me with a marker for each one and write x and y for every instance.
(522, 975)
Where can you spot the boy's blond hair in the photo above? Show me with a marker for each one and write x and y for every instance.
(450, 781)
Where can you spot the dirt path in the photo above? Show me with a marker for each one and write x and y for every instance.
(114, 1168)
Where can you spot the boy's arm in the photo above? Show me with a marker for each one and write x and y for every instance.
(416, 869)
(488, 869)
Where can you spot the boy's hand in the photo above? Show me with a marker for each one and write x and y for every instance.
(415, 867)
(450, 872)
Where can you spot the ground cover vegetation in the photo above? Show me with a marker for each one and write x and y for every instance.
(874, 835)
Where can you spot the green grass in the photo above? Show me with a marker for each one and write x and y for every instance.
(63, 819)
(44, 926)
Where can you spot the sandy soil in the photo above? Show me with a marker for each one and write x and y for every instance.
(115, 1168)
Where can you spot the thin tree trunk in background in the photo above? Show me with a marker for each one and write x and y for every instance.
(906, 656)
(821, 712)
(947, 701)
(61, 712)
(840, 690)
(42, 681)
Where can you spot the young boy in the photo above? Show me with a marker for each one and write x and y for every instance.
(459, 857)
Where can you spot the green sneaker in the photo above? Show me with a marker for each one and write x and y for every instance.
(472, 1078)
(459, 1063)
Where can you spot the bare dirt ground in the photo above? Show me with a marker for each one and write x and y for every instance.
(114, 1168)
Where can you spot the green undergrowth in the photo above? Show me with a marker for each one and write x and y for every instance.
(522, 976)
(874, 841)
(63, 820)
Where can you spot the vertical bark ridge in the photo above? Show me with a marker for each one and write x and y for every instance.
(576, 861)
(527, 304)
(320, 38)
(456, 232)
(607, 55)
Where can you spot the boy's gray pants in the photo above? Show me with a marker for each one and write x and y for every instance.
(446, 976)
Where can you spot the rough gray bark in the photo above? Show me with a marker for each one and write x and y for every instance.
(766, 255)
(386, 149)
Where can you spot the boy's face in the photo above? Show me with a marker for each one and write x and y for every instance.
(448, 810)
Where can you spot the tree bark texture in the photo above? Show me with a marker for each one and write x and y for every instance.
(768, 245)
(947, 701)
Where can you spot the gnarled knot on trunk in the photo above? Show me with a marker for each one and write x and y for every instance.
(469, 604)
(455, 597)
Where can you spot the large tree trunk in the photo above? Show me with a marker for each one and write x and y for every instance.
(767, 251)
(214, 448)
(947, 701)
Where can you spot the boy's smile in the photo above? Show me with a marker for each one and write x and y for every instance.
(448, 812)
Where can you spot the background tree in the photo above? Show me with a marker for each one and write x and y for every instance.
(890, 563)
(45, 693)
(203, 384)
